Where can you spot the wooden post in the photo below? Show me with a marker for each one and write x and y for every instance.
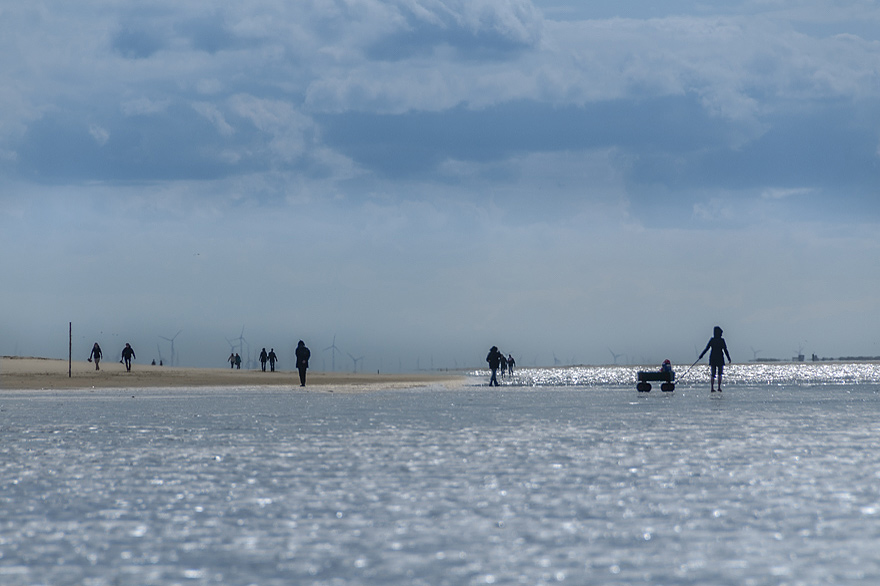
(70, 350)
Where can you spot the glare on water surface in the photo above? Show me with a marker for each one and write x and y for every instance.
(559, 476)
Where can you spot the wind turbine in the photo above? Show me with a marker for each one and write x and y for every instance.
(174, 361)
(355, 360)
(251, 363)
(239, 339)
(161, 360)
(333, 353)
(242, 342)
(616, 356)
(754, 354)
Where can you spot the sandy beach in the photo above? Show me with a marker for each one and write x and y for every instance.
(46, 373)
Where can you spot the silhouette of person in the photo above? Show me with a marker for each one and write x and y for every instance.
(502, 368)
(510, 364)
(96, 354)
(716, 356)
(127, 355)
(231, 360)
(494, 359)
(273, 358)
(237, 361)
(302, 361)
(264, 358)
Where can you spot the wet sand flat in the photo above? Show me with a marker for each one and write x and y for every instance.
(45, 373)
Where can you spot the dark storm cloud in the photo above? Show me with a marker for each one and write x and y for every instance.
(174, 144)
(137, 43)
(210, 34)
(833, 148)
(415, 142)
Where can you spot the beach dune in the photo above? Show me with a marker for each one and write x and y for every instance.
(48, 373)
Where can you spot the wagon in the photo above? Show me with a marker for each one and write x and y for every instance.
(644, 386)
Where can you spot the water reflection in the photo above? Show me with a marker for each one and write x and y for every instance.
(821, 373)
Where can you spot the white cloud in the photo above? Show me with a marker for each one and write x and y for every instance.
(100, 135)
(215, 116)
(144, 106)
(291, 131)
(783, 193)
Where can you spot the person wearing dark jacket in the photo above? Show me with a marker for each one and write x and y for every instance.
(302, 361)
(127, 355)
(273, 358)
(718, 348)
(494, 359)
(264, 358)
(96, 355)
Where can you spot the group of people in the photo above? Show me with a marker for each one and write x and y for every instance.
(97, 354)
(716, 347)
(269, 357)
(302, 360)
(498, 362)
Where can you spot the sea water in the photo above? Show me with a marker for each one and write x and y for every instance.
(559, 476)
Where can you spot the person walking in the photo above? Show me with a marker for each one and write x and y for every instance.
(718, 348)
(273, 358)
(127, 355)
(510, 364)
(302, 361)
(231, 360)
(264, 358)
(96, 355)
(494, 359)
(237, 361)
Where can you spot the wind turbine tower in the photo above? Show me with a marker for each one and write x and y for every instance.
(333, 352)
(174, 361)
(355, 360)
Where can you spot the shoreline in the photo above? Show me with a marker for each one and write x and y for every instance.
(50, 373)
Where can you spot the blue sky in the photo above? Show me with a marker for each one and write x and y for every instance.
(426, 178)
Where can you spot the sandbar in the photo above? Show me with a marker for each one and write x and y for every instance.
(47, 373)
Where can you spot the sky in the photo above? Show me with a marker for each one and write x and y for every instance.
(418, 180)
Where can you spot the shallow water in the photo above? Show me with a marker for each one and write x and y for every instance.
(770, 483)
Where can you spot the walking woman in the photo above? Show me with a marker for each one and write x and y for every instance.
(96, 354)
